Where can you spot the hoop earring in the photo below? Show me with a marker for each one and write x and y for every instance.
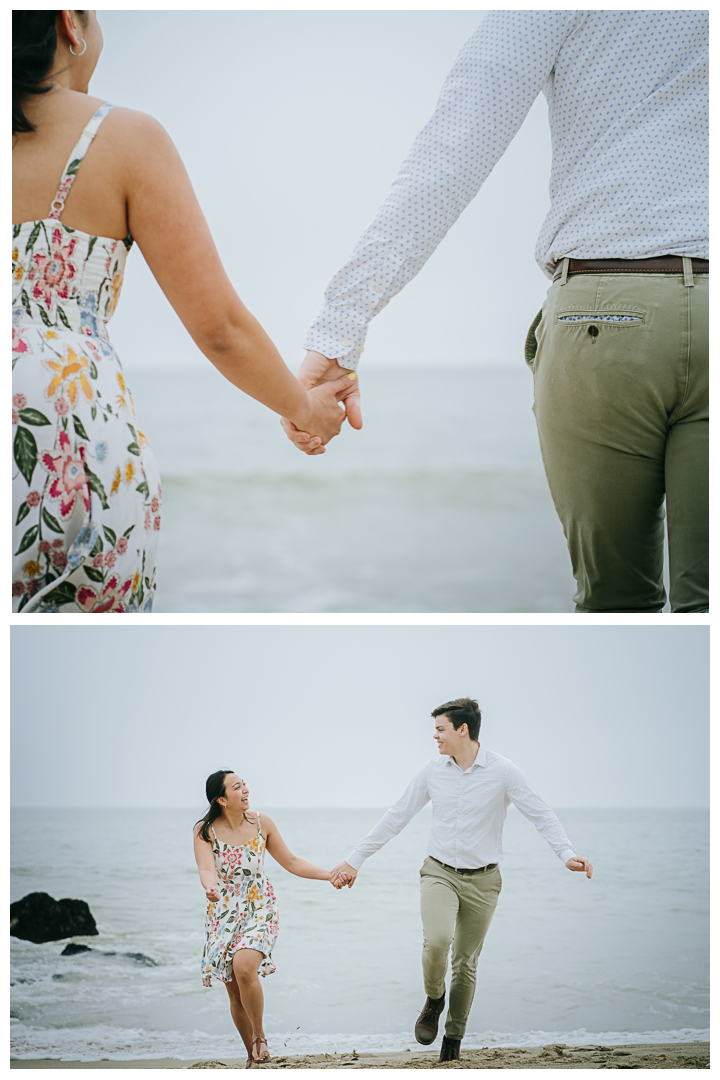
(84, 44)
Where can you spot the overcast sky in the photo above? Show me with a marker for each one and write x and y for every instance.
(340, 716)
(293, 125)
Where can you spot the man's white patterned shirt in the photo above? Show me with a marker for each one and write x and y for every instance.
(627, 95)
(469, 811)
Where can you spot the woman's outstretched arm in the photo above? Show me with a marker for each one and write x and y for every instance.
(206, 866)
(165, 219)
(282, 854)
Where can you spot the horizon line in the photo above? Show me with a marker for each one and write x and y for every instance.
(379, 806)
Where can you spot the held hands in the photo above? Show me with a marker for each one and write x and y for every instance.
(345, 874)
(580, 864)
(213, 894)
(316, 372)
(322, 414)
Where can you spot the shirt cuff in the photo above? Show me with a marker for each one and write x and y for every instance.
(355, 859)
(338, 337)
(334, 350)
(567, 853)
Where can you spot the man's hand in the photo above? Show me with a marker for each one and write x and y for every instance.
(578, 863)
(213, 894)
(344, 870)
(317, 369)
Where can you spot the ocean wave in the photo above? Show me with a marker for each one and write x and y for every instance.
(104, 1042)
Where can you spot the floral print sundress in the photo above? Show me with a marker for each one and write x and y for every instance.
(246, 915)
(86, 490)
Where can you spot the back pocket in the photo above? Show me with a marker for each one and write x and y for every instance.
(614, 317)
(593, 321)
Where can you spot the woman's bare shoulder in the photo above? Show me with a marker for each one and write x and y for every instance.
(139, 147)
(133, 119)
(136, 128)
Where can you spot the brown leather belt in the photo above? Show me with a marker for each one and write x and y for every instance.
(461, 870)
(662, 264)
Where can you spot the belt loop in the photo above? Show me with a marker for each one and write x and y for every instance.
(688, 271)
(566, 267)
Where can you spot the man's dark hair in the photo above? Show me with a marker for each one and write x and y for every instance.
(462, 710)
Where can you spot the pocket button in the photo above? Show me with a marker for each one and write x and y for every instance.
(593, 332)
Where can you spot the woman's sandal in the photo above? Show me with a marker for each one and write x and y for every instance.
(249, 1063)
(256, 1050)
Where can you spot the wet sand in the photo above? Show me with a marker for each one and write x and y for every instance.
(556, 1056)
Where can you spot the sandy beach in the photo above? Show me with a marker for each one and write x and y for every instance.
(695, 1055)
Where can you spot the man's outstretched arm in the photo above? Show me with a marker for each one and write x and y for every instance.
(496, 77)
(545, 820)
(390, 824)
(484, 100)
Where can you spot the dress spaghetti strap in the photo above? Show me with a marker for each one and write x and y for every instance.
(73, 164)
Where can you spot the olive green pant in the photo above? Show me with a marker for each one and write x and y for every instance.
(620, 364)
(456, 910)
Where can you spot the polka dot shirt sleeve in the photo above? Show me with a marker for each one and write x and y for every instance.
(627, 101)
(535, 809)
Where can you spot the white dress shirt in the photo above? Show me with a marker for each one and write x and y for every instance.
(627, 95)
(469, 810)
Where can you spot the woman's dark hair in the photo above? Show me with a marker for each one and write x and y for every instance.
(33, 51)
(214, 790)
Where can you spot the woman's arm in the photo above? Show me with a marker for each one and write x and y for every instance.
(165, 219)
(282, 854)
(206, 865)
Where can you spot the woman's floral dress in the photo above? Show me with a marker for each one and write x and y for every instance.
(86, 491)
(246, 915)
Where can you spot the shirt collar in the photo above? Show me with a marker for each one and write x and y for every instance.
(479, 763)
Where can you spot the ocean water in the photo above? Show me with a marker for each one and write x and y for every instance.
(439, 504)
(619, 959)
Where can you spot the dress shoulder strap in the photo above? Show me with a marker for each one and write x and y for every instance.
(259, 832)
(73, 164)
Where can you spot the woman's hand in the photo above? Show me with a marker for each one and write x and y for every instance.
(315, 370)
(336, 880)
(345, 874)
(213, 894)
(321, 415)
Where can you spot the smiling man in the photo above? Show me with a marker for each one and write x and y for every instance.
(470, 789)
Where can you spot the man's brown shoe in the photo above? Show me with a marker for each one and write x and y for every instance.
(450, 1049)
(427, 1022)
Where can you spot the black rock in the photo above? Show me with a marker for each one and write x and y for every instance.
(140, 958)
(38, 917)
(72, 949)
